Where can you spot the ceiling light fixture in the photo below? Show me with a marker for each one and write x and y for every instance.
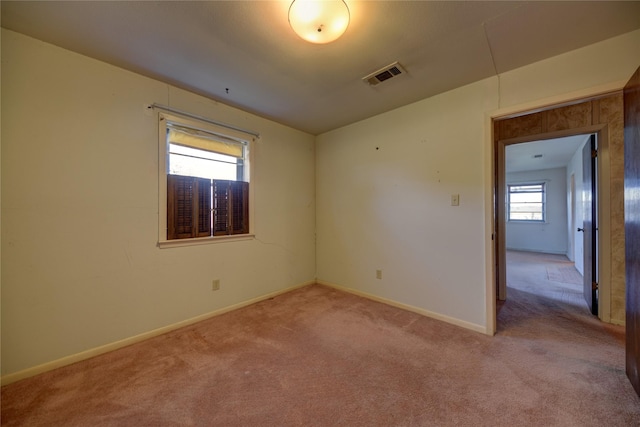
(319, 21)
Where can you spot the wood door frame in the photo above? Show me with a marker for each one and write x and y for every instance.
(537, 127)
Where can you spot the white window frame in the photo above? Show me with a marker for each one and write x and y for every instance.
(544, 202)
(163, 170)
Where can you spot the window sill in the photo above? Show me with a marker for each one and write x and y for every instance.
(164, 244)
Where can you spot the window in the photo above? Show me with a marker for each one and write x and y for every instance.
(526, 202)
(205, 178)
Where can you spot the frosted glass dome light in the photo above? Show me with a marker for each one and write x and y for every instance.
(319, 21)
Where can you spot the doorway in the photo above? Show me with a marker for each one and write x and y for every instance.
(601, 116)
(543, 218)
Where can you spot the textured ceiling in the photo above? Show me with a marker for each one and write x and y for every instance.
(556, 153)
(248, 47)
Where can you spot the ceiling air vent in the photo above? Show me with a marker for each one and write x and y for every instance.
(384, 73)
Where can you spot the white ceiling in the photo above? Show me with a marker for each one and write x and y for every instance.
(248, 47)
(556, 153)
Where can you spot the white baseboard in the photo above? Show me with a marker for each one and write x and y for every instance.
(538, 251)
(437, 316)
(87, 354)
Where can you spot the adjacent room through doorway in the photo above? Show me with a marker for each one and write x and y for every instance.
(545, 211)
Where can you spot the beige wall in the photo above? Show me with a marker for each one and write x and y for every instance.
(80, 265)
(389, 208)
(383, 197)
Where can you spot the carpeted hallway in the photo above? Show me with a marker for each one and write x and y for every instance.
(320, 357)
(553, 277)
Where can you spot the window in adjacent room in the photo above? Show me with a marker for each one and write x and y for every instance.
(526, 202)
(205, 180)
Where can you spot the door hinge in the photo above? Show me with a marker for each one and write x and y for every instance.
(594, 154)
(594, 286)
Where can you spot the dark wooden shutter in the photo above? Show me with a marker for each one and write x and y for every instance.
(220, 207)
(239, 207)
(179, 207)
(203, 207)
(230, 207)
(188, 207)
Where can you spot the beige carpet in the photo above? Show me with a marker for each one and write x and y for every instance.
(320, 357)
(564, 274)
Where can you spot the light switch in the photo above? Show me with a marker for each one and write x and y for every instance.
(455, 200)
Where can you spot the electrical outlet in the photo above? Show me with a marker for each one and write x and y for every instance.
(378, 274)
(215, 284)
